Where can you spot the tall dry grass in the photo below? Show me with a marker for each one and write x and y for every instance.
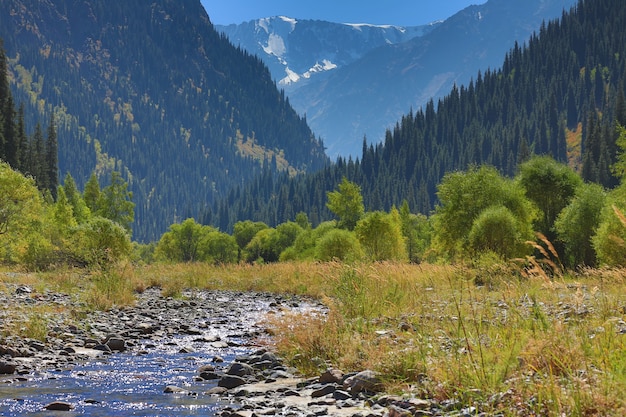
(524, 344)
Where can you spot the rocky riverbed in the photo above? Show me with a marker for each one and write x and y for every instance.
(201, 354)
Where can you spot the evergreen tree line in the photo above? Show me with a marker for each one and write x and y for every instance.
(560, 94)
(33, 155)
(545, 220)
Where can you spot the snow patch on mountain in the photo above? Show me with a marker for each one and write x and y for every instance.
(289, 20)
(292, 77)
(275, 45)
(360, 26)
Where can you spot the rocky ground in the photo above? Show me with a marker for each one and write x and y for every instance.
(256, 383)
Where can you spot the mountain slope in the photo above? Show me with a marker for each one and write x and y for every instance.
(152, 90)
(298, 52)
(567, 81)
(372, 93)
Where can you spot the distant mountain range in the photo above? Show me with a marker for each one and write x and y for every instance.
(360, 80)
(298, 52)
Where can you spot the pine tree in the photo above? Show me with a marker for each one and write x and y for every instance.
(36, 166)
(5, 94)
(51, 159)
(22, 140)
(91, 194)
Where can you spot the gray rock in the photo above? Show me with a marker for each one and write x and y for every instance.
(217, 391)
(341, 395)
(23, 289)
(206, 368)
(173, 389)
(325, 390)
(231, 381)
(240, 369)
(145, 328)
(103, 348)
(116, 344)
(209, 375)
(59, 406)
(363, 381)
(331, 376)
(7, 368)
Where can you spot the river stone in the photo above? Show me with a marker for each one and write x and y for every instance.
(7, 368)
(37, 345)
(325, 390)
(206, 368)
(23, 289)
(331, 376)
(116, 344)
(231, 381)
(269, 356)
(59, 406)
(394, 411)
(145, 328)
(209, 375)
(102, 348)
(173, 389)
(240, 369)
(340, 395)
(217, 391)
(367, 380)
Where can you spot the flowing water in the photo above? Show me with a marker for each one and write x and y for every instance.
(132, 383)
(120, 384)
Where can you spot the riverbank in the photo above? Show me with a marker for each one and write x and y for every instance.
(446, 340)
(143, 349)
(215, 342)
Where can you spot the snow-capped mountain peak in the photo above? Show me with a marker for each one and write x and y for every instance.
(298, 51)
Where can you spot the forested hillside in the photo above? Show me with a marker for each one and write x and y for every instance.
(151, 90)
(560, 94)
(35, 156)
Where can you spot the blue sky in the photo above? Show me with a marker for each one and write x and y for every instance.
(393, 12)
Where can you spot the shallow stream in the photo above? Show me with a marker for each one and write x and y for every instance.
(132, 383)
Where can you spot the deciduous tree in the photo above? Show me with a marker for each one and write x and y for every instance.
(346, 203)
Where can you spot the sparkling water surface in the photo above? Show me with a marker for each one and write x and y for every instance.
(120, 384)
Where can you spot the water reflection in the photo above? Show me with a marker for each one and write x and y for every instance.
(121, 384)
(133, 383)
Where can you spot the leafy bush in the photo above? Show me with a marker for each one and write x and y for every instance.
(609, 241)
(380, 235)
(497, 230)
(464, 196)
(221, 248)
(21, 212)
(577, 224)
(338, 244)
(551, 185)
(182, 243)
(100, 242)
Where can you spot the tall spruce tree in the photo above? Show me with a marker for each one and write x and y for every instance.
(51, 159)
(5, 93)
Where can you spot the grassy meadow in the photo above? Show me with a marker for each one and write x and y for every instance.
(515, 343)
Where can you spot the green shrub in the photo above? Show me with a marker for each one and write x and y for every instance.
(338, 244)
(100, 242)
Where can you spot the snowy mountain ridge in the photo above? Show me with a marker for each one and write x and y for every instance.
(297, 51)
